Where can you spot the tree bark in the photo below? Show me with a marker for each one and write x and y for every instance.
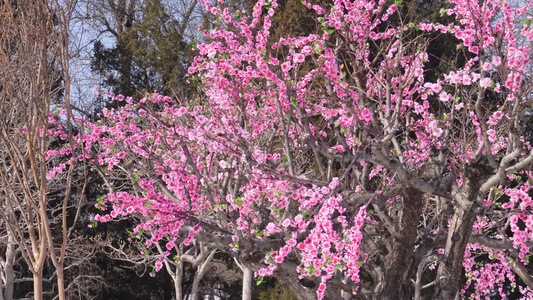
(284, 275)
(399, 267)
(38, 284)
(450, 272)
(247, 279)
(2, 288)
(200, 274)
(10, 260)
(60, 282)
(177, 277)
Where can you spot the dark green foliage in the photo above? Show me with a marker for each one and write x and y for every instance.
(293, 19)
(442, 47)
(150, 55)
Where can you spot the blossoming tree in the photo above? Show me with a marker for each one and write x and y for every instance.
(340, 163)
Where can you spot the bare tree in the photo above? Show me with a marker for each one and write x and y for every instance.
(34, 57)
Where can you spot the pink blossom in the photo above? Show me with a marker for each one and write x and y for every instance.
(485, 82)
(436, 87)
(444, 97)
(286, 66)
(492, 135)
(334, 183)
(365, 115)
(497, 115)
(338, 148)
(434, 129)
(169, 245)
(158, 265)
(299, 58)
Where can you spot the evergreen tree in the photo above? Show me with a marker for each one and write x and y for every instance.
(151, 54)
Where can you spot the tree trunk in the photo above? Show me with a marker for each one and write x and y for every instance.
(200, 274)
(346, 296)
(450, 272)
(177, 278)
(284, 276)
(60, 282)
(10, 260)
(2, 288)
(399, 267)
(247, 279)
(38, 284)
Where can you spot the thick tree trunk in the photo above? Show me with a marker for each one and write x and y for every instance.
(284, 275)
(450, 272)
(247, 279)
(399, 267)
(346, 296)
